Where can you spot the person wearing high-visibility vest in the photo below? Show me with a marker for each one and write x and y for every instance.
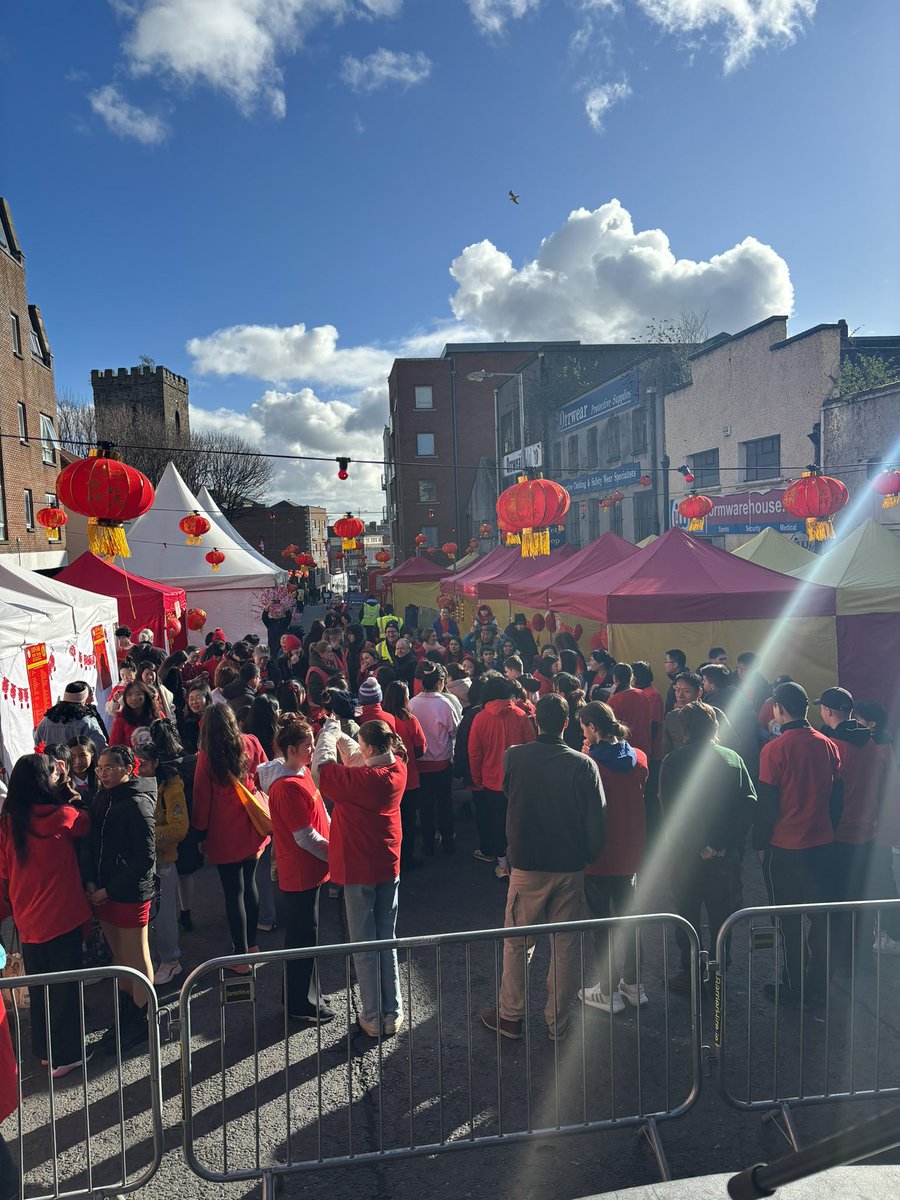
(388, 617)
(371, 611)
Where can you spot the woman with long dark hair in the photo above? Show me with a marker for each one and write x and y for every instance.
(396, 702)
(570, 686)
(120, 880)
(197, 701)
(230, 840)
(264, 721)
(39, 870)
(139, 710)
(170, 677)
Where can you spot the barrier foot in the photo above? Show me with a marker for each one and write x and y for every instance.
(651, 1133)
(268, 1185)
(783, 1120)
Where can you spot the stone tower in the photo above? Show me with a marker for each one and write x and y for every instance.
(152, 400)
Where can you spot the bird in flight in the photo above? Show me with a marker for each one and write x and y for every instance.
(513, 196)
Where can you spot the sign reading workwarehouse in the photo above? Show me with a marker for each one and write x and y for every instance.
(602, 402)
(745, 512)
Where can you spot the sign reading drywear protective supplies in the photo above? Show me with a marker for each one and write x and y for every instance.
(603, 401)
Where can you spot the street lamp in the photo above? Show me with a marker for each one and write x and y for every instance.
(480, 377)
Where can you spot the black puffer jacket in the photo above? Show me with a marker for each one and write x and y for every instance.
(123, 841)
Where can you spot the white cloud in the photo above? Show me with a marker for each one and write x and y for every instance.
(491, 15)
(383, 67)
(127, 119)
(599, 100)
(748, 25)
(600, 280)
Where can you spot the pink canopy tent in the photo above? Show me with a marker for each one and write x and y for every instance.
(539, 591)
(414, 570)
(500, 559)
(503, 586)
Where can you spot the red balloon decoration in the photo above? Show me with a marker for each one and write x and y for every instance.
(196, 618)
(107, 492)
(696, 508)
(348, 529)
(194, 525)
(215, 558)
(886, 484)
(816, 498)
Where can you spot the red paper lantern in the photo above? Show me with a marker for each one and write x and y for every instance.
(696, 508)
(215, 558)
(886, 484)
(196, 618)
(173, 626)
(348, 529)
(645, 480)
(382, 556)
(445, 601)
(550, 622)
(617, 497)
(421, 540)
(450, 549)
(305, 560)
(108, 492)
(484, 529)
(473, 545)
(431, 550)
(194, 525)
(537, 623)
(508, 535)
(530, 507)
(51, 518)
(816, 498)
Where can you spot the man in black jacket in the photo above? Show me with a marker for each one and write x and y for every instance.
(555, 826)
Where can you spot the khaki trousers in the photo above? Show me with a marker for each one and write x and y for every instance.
(538, 898)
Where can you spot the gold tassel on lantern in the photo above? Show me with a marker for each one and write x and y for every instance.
(535, 542)
(107, 539)
(696, 524)
(890, 501)
(819, 530)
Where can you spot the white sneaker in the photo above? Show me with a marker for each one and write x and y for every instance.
(68, 1068)
(633, 992)
(166, 972)
(594, 998)
(886, 944)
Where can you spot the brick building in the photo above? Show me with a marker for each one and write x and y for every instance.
(150, 399)
(29, 457)
(271, 527)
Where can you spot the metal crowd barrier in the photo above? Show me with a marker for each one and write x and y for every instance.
(835, 1037)
(264, 1098)
(96, 1131)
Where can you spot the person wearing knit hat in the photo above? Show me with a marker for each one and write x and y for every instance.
(370, 697)
(70, 718)
(519, 633)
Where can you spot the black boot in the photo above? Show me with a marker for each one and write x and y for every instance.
(108, 1041)
(184, 920)
(135, 1033)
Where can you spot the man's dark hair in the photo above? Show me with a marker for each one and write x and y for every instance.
(793, 699)
(692, 678)
(494, 686)
(698, 722)
(715, 651)
(123, 631)
(747, 659)
(249, 672)
(623, 675)
(643, 676)
(717, 673)
(514, 662)
(432, 676)
(551, 713)
(678, 656)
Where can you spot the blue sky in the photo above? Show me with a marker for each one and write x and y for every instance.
(269, 195)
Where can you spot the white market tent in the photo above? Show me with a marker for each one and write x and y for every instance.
(159, 551)
(34, 611)
(210, 509)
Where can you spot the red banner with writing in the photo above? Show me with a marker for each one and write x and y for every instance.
(101, 656)
(37, 665)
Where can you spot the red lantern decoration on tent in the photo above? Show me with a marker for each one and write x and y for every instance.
(508, 535)
(537, 623)
(173, 626)
(816, 498)
(450, 549)
(51, 519)
(421, 540)
(348, 529)
(305, 560)
(484, 530)
(108, 492)
(473, 545)
(215, 558)
(606, 502)
(600, 640)
(645, 480)
(431, 550)
(530, 507)
(445, 601)
(886, 484)
(695, 508)
(382, 556)
(550, 622)
(617, 498)
(194, 525)
(196, 619)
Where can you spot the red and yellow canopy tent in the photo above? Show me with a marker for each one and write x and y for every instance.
(416, 581)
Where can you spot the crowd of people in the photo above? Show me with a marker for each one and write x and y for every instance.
(327, 758)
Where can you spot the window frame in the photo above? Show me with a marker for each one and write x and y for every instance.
(613, 439)
(423, 387)
(15, 333)
(593, 448)
(758, 474)
(28, 506)
(22, 418)
(419, 452)
(705, 474)
(639, 429)
(572, 449)
(52, 501)
(49, 441)
(427, 499)
(616, 519)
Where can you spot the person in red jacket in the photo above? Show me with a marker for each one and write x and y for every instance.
(609, 880)
(499, 725)
(39, 872)
(407, 727)
(231, 842)
(643, 681)
(365, 784)
(300, 832)
(139, 710)
(632, 708)
(370, 697)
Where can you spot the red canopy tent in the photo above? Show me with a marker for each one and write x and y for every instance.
(500, 559)
(514, 575)
(418, 569)
(539, 591)
(143, 604)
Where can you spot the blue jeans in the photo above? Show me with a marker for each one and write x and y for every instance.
(372, 917)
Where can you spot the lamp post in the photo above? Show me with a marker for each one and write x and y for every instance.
(480, 377)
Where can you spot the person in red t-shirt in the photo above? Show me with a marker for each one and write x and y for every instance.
(800, 791)
(632, 708)
(300, 832)
(643, 681)
(39, 870)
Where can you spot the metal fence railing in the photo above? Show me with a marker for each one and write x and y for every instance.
(833, 1036)
(264, 1097)
(98, 1129)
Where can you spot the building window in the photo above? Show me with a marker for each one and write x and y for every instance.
(431, 532)
(556, 457)
(48, 442)
(573, 453)
(23, 422)
(593, 520)
(37, 348)
(428, 491)
(424, 397)
(644, 515)
(593, 452)
(29, 509)
(16, 333)
(761, 458)
(510, 435)
(639, 430)
(615, 519)
(613, 440)
(53, 535)
(425, 445)
(705, 468)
